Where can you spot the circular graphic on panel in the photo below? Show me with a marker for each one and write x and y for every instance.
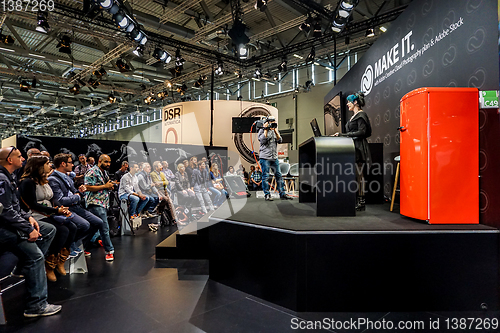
(483, 160)
(483, 118)
(245, 152)
(476, 40)
(484, 201)
(174, 133)
(388, 190)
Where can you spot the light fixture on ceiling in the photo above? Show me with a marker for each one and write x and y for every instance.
(179, 60)
(383, 29)
(121, 19)
(344, 11)
(317, 30)
(162, 94)
(282, 67)
(308, 85)
(42, 25)
(219, 70)
(75, 90)
(370, 32)
(310, 57)
(182, 89)
(64, 44)
(106, 4)
(261, 5)
(24, 86)
(258, 72)
(111, 98)
(139, 51)
(99, 73)
(162, 55)
(199, 84)
(242, 51)
(93, 83)
(122, 65)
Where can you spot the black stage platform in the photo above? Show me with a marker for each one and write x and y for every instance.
(377, 261)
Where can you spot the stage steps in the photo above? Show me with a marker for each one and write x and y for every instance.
(183, 246)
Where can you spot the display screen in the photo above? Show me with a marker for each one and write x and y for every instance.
(333, 115)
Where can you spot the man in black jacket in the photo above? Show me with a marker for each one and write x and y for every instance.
(33, 238)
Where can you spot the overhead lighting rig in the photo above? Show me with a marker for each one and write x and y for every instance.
(162, 55)
(343, 14)
(261, 5)
(282, 67)
(64, 44)
(6, 39)
(42, 25)
(122, 66)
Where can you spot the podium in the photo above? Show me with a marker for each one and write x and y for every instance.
(327, 175)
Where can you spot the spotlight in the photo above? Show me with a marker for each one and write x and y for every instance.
(139, 51)
(282, 66)
(199, 84)
(161, 95)
(43, 25)
(111, 98)
(24, 86)
(370, 33)
(75, 90)
(93, 83)
(144, 40)
(258, 71)
(179, 61)
(182, 89)
(239, 98)
(309, 84)
(220, 68)
(317, 30)
(137, 35)
(100, 73)
(306, 26)
(64, 45)
(162, 55)
(261, 4)
(237, 33)
(311, 55)
(122, 66)
(242, 51)
(121, 19)
(6, 39)
(106, 4)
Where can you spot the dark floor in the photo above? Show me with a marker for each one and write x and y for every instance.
(136, 294)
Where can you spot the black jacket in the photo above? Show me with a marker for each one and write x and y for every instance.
(27, 191)
(182, 183)
(12, 217)
(359, 128)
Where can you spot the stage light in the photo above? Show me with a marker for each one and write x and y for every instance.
(383, 29)
(283, 65)
(6, 39)
(139, 51)
(219, 70)
(370, 33)
(310, 57)
(242, 51)
(93, 83)
(64, 45)
(24, 86)
(305, 27)
(106, 4)
(136, 35)
(258, 71)
(121, 19)
(261, 4)
(100, 73)
(75, 90)
(144, 40)
(111, 98)
(309, 84)
(122, 66)
(43, 25)
(317, 30)
(162, 55)
(179, 61)
(161, 95)
(237, 33)
(348, 4)
(114, 9)
(199, 84)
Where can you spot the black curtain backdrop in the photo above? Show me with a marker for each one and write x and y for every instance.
(123, 150)
(434, 43)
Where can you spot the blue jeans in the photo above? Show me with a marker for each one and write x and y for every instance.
(274, 165)
(152, 203)
(85, 218)
(32, 254)
(102, 213)
(135, 207)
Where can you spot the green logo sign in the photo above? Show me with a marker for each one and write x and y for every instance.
(488, 99)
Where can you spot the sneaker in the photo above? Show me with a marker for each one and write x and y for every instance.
(110, 257)
(268, 197)
(286, 197)
(88, 254)
(50, 309)
(73, 254)
(153, 227)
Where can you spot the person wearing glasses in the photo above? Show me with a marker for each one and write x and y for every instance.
(33, 238)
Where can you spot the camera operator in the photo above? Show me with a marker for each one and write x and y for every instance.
(269, 137)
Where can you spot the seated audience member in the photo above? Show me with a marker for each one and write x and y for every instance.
(217, 187)
(65, 194)
(19, 172)
(28, 233)
(231, 171)
(190, 166)
(36, 195)
(168, 174)
(91, 161)
(147, 188)
(123, 170)
(198, 183)
(98, 186)
(185, 194)
(81, 170)
(129, 190)
(161, 183)
(256, 179)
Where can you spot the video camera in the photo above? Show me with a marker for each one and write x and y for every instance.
(260, 123)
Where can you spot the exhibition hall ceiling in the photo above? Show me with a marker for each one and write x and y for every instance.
(81, 62)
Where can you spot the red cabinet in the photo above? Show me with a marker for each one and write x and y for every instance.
(439, 179)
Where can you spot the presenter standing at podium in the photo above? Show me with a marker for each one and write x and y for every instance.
(269, 137)
(359, 129)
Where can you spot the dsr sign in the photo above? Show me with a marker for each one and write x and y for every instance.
(172, 124)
